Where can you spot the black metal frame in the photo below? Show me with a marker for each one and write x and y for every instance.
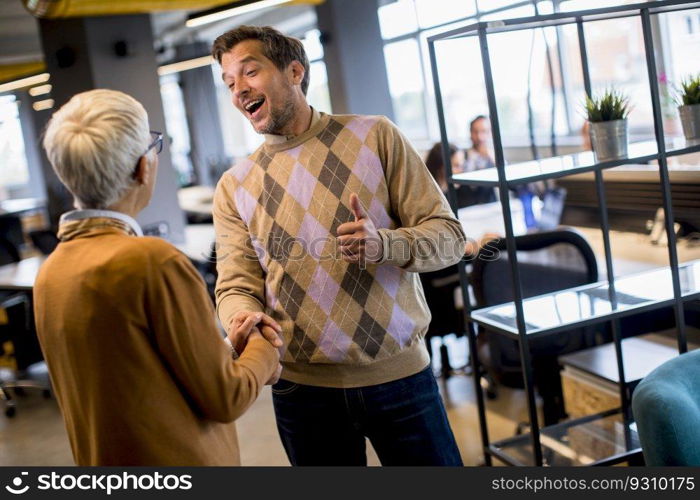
(481, 30)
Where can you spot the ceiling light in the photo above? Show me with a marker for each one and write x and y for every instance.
(230, 10)
(40, 90)
(185, 65)
(24, 82)
(42, 105)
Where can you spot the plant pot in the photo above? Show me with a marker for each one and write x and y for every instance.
(690, 119)
(609, 140)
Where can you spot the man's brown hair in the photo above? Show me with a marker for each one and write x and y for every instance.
(278, 48)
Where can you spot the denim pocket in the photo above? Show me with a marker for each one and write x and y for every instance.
(284, 387)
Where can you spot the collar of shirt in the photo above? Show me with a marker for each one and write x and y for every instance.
(76, 215)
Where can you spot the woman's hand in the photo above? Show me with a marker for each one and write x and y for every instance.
(256, 336)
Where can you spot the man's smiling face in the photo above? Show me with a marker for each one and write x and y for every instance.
(259, 89)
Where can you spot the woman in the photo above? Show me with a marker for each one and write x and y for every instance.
(140, 371)
(464, 196)
(434, 163)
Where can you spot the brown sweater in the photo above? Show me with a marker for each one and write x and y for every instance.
(276, 216)
(140, 371)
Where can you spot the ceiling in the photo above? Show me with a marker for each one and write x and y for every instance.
(20, 39)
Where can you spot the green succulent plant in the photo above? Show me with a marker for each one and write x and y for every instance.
(611, 105)
(690, 91)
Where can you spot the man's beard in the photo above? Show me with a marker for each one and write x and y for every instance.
(279, 119)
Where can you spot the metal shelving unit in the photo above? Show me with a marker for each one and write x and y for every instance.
(613, 432)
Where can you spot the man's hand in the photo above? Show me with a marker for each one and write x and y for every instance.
(359, 241)
(243, 324)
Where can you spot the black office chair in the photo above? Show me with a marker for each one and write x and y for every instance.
(11, 230)
(17, 328)
(8, 252)
(548, 261)
(439, 288)
(45, 240)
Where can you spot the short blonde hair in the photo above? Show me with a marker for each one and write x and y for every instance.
(94, 143)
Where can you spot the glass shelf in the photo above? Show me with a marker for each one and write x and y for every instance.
(590, 304)
(577, 163)
(601, 439)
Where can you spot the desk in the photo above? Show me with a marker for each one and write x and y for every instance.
(477, 220)
(197, 201)
(20, 275)
(198, 241)
(21, 205)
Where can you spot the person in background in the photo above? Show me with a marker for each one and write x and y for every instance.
(139, 368)
(478, 157)
(326, 226)
(435, 165)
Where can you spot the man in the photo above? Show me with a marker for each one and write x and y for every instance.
(478, 157)
(324, 228)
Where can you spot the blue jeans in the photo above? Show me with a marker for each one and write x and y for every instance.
(404, 420)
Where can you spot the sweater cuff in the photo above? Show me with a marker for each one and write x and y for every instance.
(230, 306)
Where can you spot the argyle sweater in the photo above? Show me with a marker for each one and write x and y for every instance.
(276, 214)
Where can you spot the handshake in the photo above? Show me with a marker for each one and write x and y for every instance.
(248, 326)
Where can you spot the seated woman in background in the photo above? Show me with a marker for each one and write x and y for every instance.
(139, 368)
(434, 163)
(436, 167)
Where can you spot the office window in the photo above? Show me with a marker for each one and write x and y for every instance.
(461, 85)
(683, 58)
(397, 18)
(178, 133)
(520, 63)
(318, 94)
(406, 86)
(14, 171)
(434, 12)
(406, 25)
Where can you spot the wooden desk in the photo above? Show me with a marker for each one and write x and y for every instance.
(20, 275)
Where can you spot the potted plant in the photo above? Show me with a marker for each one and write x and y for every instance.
(607, 116)
(689, 108)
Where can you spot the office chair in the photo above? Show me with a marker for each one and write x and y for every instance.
(548, 261)
(17, 327)
(439, 287)
(666, 407)
(11, 230)
(45, 240)
(8, 252)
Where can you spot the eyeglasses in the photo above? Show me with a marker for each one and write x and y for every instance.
(157, 142)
